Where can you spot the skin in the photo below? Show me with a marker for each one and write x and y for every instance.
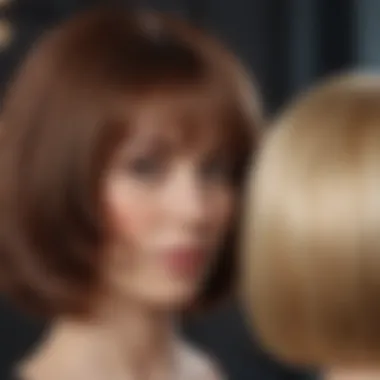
(160, 197)
(353, 374)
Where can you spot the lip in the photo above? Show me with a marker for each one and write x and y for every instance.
(185, 261)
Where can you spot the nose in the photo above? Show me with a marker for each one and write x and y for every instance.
(185, 200)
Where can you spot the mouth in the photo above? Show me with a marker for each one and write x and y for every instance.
(185, 261)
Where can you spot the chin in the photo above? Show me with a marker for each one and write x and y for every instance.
(172, 299)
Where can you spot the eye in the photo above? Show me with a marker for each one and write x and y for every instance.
(217, 169)
(146, 167)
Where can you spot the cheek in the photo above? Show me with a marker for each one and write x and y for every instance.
(129, 210)
(222, 213)
(131, 219)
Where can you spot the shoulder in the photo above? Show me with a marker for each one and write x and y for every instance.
(201, 364)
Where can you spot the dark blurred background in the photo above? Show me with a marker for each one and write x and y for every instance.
(287, 44)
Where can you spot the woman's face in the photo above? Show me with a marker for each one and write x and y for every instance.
(169, 205)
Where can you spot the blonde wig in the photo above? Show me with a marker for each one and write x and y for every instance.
(311, 240)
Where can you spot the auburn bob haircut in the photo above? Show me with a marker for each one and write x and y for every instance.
(71, 103)
(312, 229)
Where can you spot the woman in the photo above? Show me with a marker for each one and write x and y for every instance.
(312, 237)
(122, 158)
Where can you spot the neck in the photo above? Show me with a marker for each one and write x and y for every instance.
(352, 374)
(126, 342)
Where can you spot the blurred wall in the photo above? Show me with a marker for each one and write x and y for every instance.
(368, 33)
